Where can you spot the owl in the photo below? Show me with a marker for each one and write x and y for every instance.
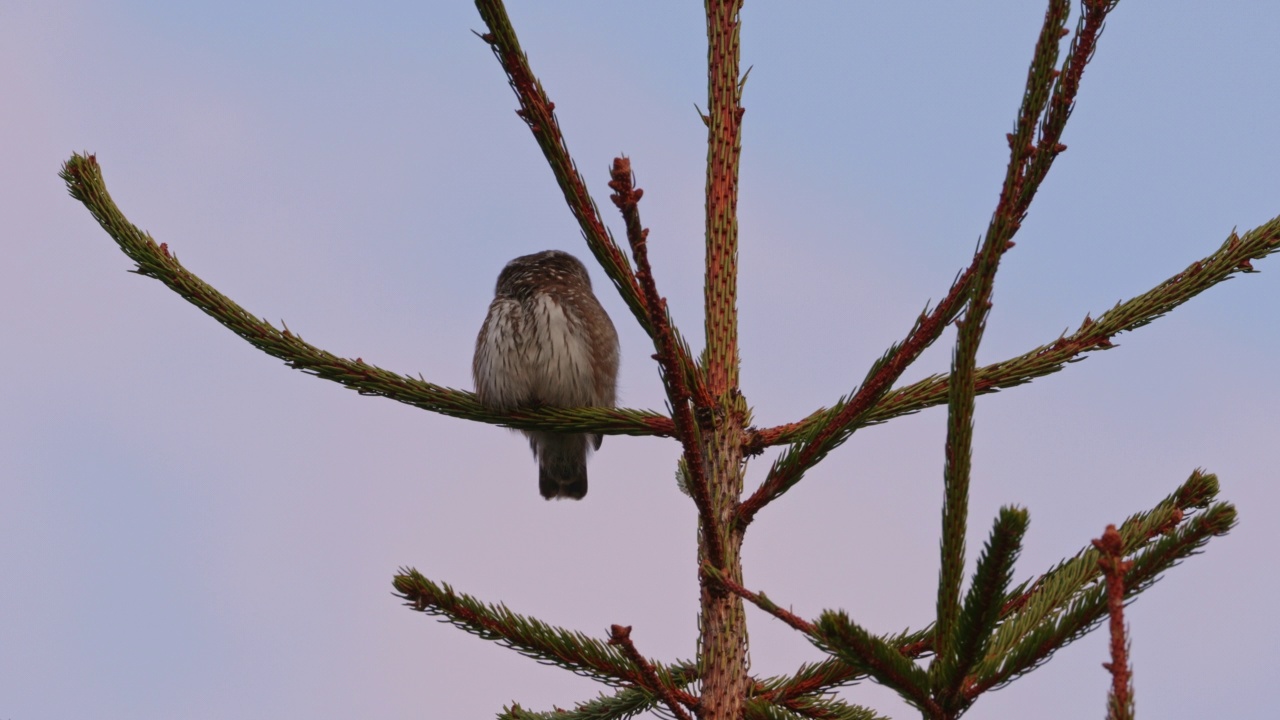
(547, 342)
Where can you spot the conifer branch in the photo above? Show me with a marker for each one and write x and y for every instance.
(528, 636)
(814, 679)
(623, 703)
(1033, 602)
(724, 147)
(627, 197)
(1083, 609)
(620, 635)
(1026, 607)
(538, 112)
(851, 643)
(1114, 567)
(811, 680)
(982, 607)
(1027, 167)
(818, 708)
(84, 181)
(1235, 255)
(1015, 197)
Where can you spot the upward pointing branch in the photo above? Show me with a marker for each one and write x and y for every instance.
(1028, 165)
(627, 197)
(1049, 98)
(538, 112)
(724, 147)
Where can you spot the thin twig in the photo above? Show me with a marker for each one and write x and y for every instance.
(620, 635)
(627, 197)
(1114, 567)
(762, 602)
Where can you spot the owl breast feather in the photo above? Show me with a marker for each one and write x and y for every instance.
(533, 353)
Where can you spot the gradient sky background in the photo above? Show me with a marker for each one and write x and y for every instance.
(191, 530)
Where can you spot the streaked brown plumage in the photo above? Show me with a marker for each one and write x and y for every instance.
(547, 341)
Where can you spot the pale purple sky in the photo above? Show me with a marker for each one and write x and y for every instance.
(190, 529)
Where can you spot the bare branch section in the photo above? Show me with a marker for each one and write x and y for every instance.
(538, 112)
(1236, 255)
(1114, 567)
(626, 197)
(84, 180)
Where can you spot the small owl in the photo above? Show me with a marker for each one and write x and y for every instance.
(547, 342)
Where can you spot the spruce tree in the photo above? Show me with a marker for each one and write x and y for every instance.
(988, 629)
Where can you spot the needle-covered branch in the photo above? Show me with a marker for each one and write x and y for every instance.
(1015, 197)
(626, 197)
(982, 607)
(883, 662)
(84, 180)
(538, 112)
(1235, 255)
(816, 708)
(1021, 611)
(876, 657)
(528, 636)
(1027, 166)
(1071, 600)
(623, 703)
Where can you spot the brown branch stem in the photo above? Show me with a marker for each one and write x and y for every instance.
(1114, 567)
(620, 635)
(626, 197)
(538, 113)
(759, 600)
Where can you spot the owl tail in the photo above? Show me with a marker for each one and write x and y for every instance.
(562, 464)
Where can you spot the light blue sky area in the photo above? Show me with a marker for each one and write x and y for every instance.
(190, 529)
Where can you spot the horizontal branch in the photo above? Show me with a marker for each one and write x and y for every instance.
(1234, 256)
(622, 703)
(84, 180)
(817, 708)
